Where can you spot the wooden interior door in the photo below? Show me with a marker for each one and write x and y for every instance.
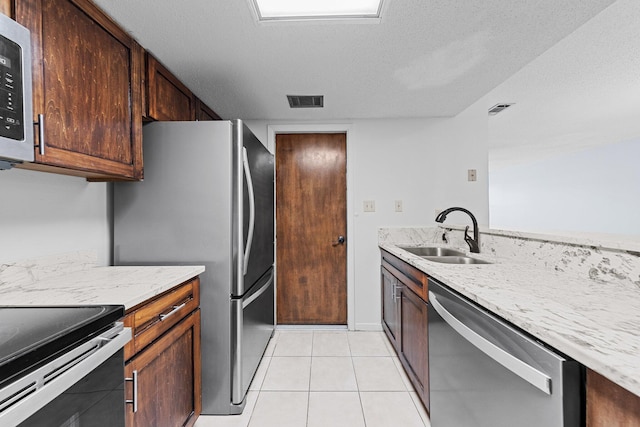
(311, 215)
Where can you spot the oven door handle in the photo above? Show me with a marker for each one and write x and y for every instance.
(35, 390)
(523, 370)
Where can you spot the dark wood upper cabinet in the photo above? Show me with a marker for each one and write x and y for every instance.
(203, 112)
(167, 97)
(87, 83)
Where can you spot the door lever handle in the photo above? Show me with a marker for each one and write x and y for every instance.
(340, 241)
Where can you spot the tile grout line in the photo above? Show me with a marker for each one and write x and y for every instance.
(259, 391)
(313, 335)
(364, 418)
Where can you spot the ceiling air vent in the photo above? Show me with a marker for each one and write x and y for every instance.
(306, 101)
(498, 107)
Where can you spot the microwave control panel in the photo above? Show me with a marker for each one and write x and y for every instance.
(11, 112)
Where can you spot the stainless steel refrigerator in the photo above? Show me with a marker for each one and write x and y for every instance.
(208, 198)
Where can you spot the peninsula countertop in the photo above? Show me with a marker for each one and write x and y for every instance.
(127, 285)
(599, 326)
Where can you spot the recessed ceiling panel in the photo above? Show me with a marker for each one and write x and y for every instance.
(317, 9)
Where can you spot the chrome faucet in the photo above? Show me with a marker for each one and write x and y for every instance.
(474, 246)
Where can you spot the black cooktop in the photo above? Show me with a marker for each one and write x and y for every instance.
(31, 335)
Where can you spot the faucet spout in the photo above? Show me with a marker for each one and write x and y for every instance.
(473, 243)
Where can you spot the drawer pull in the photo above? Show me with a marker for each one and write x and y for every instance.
(134, 401)
(176, 308)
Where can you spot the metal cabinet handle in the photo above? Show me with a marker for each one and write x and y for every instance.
(340, 241)
(40, 124)
(134, 401)
(523, 370)
(176, 308)
(396, 287)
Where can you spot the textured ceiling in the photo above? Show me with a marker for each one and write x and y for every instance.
(581, 93)
(426, 58)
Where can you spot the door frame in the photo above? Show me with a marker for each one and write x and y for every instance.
(272, 131)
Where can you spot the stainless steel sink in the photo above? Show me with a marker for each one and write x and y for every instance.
(455, 260)
(425, 251)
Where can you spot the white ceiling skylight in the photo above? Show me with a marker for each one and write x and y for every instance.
(270, 10)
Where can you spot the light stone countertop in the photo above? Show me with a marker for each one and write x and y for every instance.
(129, 286)
(596, 324)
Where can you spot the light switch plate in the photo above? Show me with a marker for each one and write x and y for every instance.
(369, 206)
(471, 174)
(398, 205)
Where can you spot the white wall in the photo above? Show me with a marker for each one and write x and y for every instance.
(595, 190)
(422, 162)
(44, 214)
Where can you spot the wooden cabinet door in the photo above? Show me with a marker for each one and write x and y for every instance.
(405, 321)
(390, 304)
(203, 112)
(168, 378)
(167, 97)
(87, 84)
(414, 341)
(609, 405)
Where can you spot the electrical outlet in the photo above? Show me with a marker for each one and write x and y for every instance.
(471, 175)
(398, 204)
(369, 206)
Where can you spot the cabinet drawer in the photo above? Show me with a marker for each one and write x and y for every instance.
(158, 315)
(410, 276)
(165, 379)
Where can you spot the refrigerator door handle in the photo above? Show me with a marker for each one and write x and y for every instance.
(252, 208)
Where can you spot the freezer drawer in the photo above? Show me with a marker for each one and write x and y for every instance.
(252, 327)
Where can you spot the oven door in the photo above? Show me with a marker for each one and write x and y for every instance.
(83, 387)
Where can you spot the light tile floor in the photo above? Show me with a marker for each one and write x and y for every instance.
(328, 379)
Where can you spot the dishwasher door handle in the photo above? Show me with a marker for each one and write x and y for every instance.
(523, 370)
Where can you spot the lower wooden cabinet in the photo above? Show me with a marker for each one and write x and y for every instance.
(414, 351)
(390, 307)
(404, 319)
(167, 378)
(609, 405)
(162, 362)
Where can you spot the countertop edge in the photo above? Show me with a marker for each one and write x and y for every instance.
(121, 285)
(561, 343)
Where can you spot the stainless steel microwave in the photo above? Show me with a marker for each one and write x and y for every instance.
(16, 113)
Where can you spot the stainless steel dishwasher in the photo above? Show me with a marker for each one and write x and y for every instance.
(483, 372)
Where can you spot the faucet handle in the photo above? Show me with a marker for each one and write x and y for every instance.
(466, 234)
(473, 245)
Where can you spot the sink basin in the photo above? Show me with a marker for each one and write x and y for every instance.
(455, 260)
(433, 251)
